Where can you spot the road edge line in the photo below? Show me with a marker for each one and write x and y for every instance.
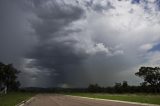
(25, 102)
(136, 103)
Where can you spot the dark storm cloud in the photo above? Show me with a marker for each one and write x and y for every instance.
(54, 17)
(15, 33)
(16, 36)
(59, 57)
(47, 28)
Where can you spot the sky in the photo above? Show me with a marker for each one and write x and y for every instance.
(74, 43)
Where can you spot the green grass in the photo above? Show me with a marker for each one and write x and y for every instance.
(141, 98)
(13, 98)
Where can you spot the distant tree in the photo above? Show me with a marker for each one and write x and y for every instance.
(125, 84)
(118, 87)
(150, 75)
(94, 88)
(8, 76)
(144, 87)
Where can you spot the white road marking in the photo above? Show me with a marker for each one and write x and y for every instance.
(136, 103)
(25, 102)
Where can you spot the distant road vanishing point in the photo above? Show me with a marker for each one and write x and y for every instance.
(63, 100)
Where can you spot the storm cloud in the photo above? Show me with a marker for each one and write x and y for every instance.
(78, 42)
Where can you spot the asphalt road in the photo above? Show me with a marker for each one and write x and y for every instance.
(62, 100)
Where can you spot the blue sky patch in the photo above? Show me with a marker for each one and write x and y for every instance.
(156, 48)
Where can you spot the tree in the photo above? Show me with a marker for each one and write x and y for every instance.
(118, 87)
(125, 84)
(94, 88)
(150, 75)
(8, 76)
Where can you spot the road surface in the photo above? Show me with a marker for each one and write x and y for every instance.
(62, 100)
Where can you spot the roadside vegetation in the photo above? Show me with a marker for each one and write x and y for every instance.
(14, 98)
(141, 98)
(10, 94)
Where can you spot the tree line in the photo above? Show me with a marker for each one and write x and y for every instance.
(151, 84)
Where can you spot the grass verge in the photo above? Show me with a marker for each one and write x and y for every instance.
(141, 98)
(13, 98)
